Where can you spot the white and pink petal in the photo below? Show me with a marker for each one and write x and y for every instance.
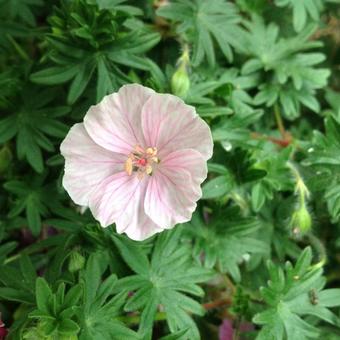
(189, 160)
(169, 124)
(112, 196)
(170, 197)
(120, 200)
(115, 122)
(86, 164)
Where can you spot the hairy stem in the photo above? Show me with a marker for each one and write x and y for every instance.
(279, 121)
(319, 248)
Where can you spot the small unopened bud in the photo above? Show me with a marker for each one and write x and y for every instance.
(180, 81)
(301, 221)
(76, 261)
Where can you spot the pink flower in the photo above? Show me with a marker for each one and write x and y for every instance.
(3, 330)
(226, 330)
(138, 160)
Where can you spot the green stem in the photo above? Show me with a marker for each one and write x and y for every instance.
(300, 186)
(319, 248)
(279, 120)
(135, 319)
(18, 48)
(35, 248)
(240, 201)
(12, 258)
(18, 255)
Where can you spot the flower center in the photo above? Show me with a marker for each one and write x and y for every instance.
(141, 161)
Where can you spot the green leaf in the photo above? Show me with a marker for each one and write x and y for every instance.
(68, 327)
(28, 271)
(329, 297)
(92, 277)
(217, 187)
(234, 131)
(22, 11)
(171, 273)
(54, 75)
(80, 82)
(226, 240)
(12, 294)
(6, 249)
(54, 128)
(258, 197)
(104, 83)
(217, 168)
(323, 158)
(7, 128)
(133, 255)
(33, 216)
(43, 295)
(291, 296)
(31, 197)
(100, 310)
(27, 146)
(106, 288)
(73, 296)
(301, 10)
(293, 74)
(148, 316)
(180, 335)
(49, 327)
(204, 21)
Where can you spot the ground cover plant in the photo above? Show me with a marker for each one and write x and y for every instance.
(258, 257)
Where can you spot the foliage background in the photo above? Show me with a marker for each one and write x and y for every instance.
(265, 76)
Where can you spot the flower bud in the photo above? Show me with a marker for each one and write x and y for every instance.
(301, 221)
(180, 82)
(76, 261)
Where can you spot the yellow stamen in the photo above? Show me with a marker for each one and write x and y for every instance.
(141, 161)
(148, 169)
(151, 151)
(128, 166)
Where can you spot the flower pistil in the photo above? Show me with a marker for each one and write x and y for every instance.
(141, 161)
